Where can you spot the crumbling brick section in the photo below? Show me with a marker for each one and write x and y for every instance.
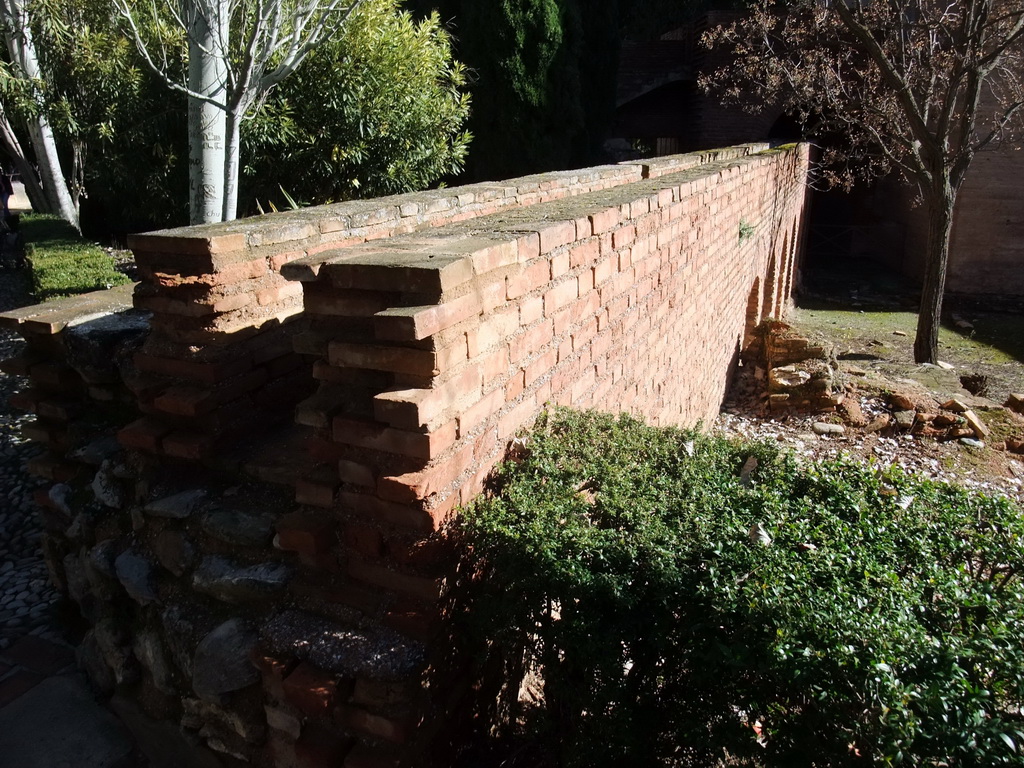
(219, 361)
(78, 362)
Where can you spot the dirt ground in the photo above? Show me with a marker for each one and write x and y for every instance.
(869, 321)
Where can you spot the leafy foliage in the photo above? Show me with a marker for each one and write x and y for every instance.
(62, 262)
(125, 134)
(903, 83)
(542, 80)
(883, 624)
(377, 110)
(526, 56)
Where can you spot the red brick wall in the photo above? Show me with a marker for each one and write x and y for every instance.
(220, 359)
(987, 247)
(987, 252)
(435, 348)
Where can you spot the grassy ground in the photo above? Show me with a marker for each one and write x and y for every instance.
(870, 315)
(62, 263)
(994, 348)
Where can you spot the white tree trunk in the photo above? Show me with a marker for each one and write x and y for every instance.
(9, 141)
(231, 167)
(55, 187)
(280, 33)
(23, 55)
(207, 77)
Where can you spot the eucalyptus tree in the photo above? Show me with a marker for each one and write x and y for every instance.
(915, 86)
(237, 50)
(23, 74)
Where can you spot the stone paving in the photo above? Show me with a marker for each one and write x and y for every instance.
(27, 599)
(48, 715)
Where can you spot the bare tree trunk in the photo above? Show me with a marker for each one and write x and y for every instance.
(10, 143)
(23, 55)
(207, 76)
(231, 167)
(940, 224)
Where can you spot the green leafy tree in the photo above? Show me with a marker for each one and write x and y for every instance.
(238, 51)
(527, 97)
(107, 117)
(91, 82)
(379, 109)
(542, 80)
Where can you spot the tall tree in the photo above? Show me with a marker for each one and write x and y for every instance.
(918, 86)
(24, 67)
(238, 50)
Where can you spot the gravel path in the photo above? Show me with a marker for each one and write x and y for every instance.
(27, 599)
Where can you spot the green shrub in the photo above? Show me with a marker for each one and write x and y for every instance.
(377, 109)
(883, 624)
(62, 262)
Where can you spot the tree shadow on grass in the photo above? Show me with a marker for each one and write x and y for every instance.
(1003, 331)
(980, 329)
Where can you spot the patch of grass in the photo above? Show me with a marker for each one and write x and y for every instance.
(994, 348)
(63, 263)
(855, 324)
(995, 339)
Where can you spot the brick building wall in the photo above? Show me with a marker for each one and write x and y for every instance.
(987, 246)
(290, 614)
(987, 251)
(658, 100)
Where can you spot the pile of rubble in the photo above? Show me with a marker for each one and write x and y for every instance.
(794, 390)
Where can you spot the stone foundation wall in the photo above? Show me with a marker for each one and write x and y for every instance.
(275, 589)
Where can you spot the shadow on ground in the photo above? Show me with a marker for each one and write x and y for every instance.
(977, 331)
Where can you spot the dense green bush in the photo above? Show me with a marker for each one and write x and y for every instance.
(62, 262)
(378, 109)
(883, 624)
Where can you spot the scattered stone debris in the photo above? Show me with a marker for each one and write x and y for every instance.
(796, 391)
(962, 324)
(802, 375)
(825, 428)
(1015, 402)
(975, 383)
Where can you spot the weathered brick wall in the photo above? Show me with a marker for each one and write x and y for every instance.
(220, 357)
(987, 250)
(77, 364)
(987, 247)
(298, 624)
(635, 298)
